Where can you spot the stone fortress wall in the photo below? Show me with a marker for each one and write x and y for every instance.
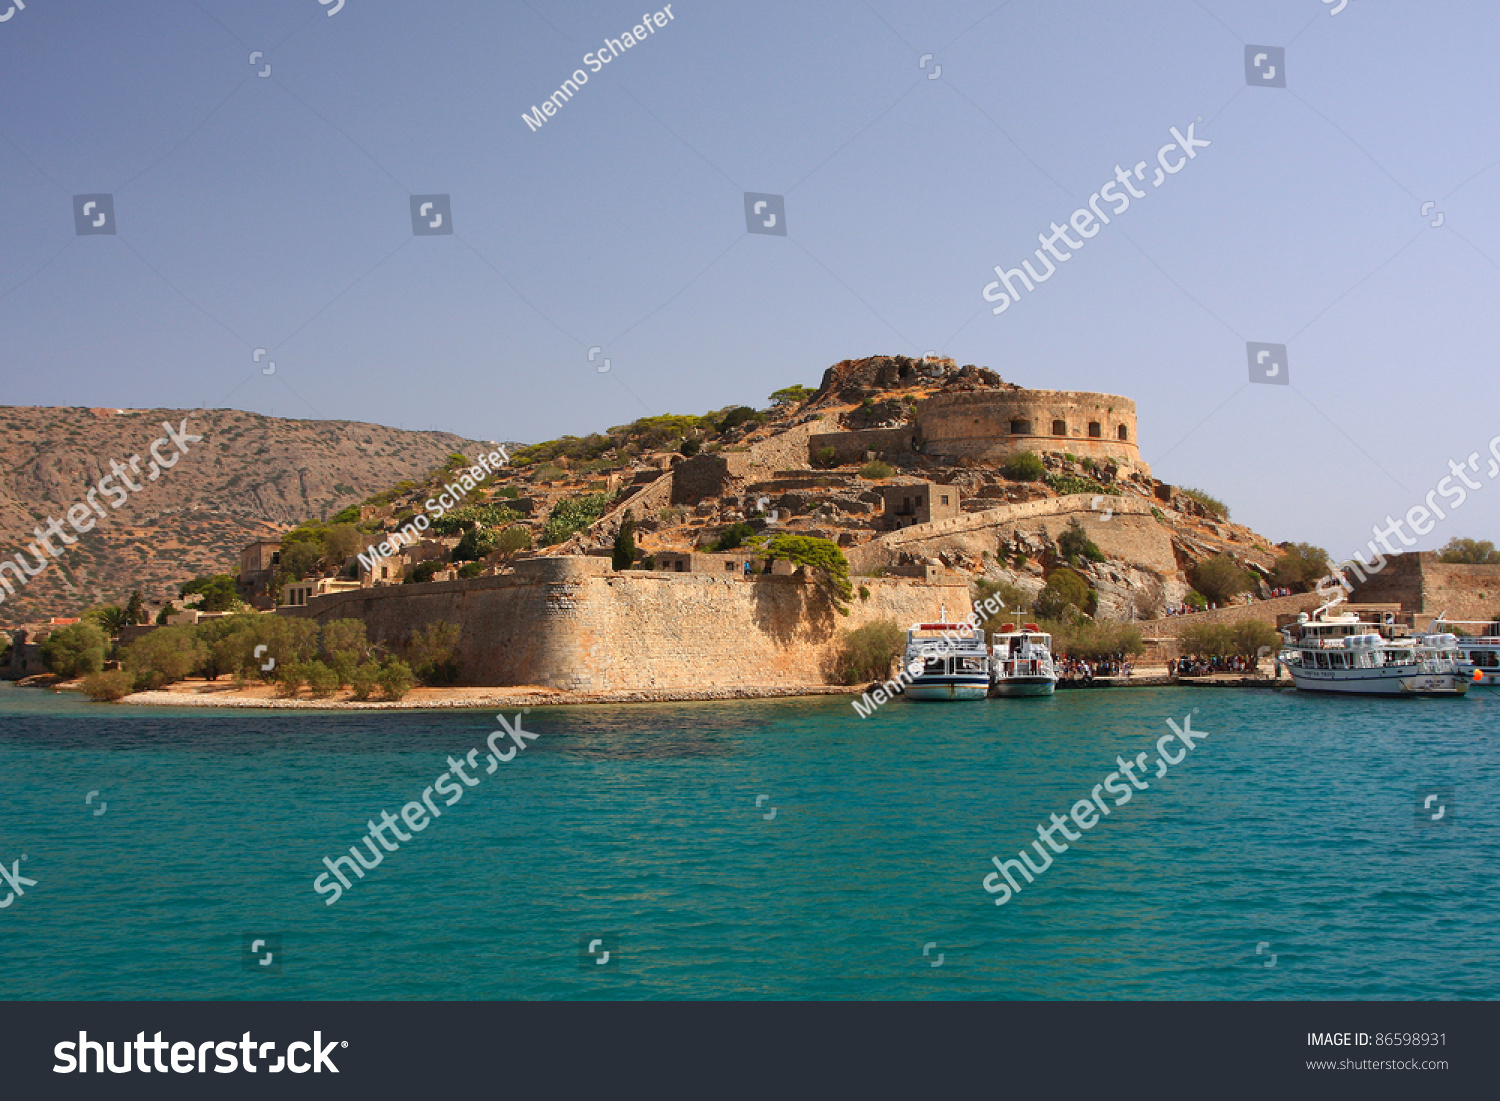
(995, 424)
(992, 425)
(573, 623)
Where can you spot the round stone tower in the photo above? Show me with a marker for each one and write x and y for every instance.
(995, 424)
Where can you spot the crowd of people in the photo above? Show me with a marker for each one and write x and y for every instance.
(1201, 667)
(1077, 669)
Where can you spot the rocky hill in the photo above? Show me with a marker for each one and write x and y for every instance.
(250, 477)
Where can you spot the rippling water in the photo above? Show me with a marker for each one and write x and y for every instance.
(1292, 824)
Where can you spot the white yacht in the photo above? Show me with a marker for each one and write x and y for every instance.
(1021, 661)
(1481, 650)
(946, 661)
(1331, 651)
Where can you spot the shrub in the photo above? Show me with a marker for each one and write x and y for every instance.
(364, 679)
(792, 395)
(874, 471)
(433, 653)
(1220, 578)
(113, 685)
(422, 573)
(1065, 484)
(573, 514)
(290, 677)
(1023, 466)
(167, 654)
(1158, 514)
(322, 680)
(75, 650)
(740, 414)
(1196, 601)
(1475, 552)
(1300, 566)
(1207, 500)
(1015, 601)
(1074, 542)
(218, 591)
(511, 542)
(471, 569)
(475, 544)
(864, 592)
(690, 447)
(1066, 595)
(395, 679)
(826, 457)
(733, 537)
(865, 653)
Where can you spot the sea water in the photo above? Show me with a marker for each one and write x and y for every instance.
(757, 849)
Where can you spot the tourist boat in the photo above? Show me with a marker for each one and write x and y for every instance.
(1338, 652)
(946, 661)
(1021, 661)
(1481, 651)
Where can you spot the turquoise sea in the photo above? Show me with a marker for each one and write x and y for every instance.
(1293, 835)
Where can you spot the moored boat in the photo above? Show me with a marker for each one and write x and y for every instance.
(1480, 660)
(1021, 661)
(1338, 652)
(946, 661)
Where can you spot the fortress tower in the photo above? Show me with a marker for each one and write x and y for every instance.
(992, 425)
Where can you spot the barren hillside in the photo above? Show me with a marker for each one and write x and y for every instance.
(251, 477)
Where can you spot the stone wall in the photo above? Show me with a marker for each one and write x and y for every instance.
(1421, 583)
(575, 624)
(851, 447)
(708, 475)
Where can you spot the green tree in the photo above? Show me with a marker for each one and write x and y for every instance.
(168, 609)
(110, 619)
(690, 447)
(364, 679)
(135, 609)
(511, 542)
(422, 573)
(1066, 595)
(322, 680)
(75, 650)
(166, 655)
(792, 395)
(395, 679)
(821, 556)
(1253, 639)
(876, 470)
(866, 653)
(1300, 566)
(1023, 466)
(107, 687)
(218, 591)
(475, 544)
(1474, 552)
(622, 556)
(433, 653)
(1220, 578)
(733, 537)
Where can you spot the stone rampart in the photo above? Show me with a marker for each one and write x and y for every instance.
(575, 624)
(995, 424)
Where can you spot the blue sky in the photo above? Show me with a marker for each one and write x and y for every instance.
(273, 212)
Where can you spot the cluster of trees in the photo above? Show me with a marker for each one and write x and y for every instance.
(1249, 639)
(669, 431)
(1474, 552)
(323, 659)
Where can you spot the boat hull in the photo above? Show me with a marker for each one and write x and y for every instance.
(947, 688)
(1025, 686)
(1393, 684)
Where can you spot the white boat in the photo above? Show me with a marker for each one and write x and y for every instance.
(1331, 651)
(946, 661)
(1021, 661)
(1481, 652)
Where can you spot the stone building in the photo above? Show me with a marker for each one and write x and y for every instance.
(908, 504)
(258, 563)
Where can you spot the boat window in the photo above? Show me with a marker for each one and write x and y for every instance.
(1322, 659)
